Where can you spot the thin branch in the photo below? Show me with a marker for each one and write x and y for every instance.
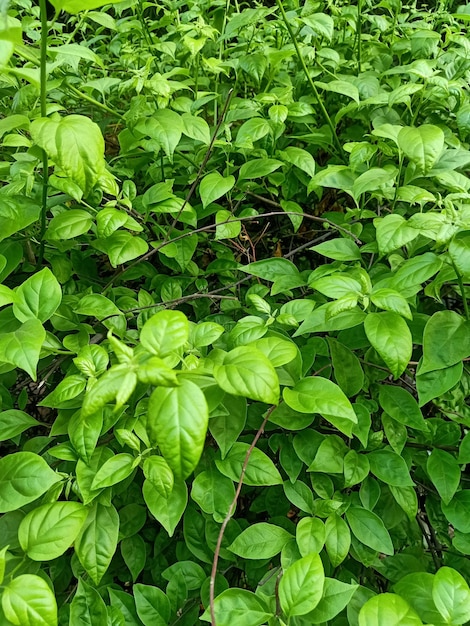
(231, 511)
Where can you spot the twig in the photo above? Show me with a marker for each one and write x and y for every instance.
(203, 164)
(231, 511)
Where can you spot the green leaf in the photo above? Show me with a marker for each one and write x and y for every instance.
(391, 300)
(336, 596)
(16, 214)
(226, 226)
(49, 530)
(444, 471)
(451, 596)
(301, 159)
(165, 332)
(416, 589)
(390, 467)
(84, 432)
(75, 6)
(257, 168)
(389, 334)
(459, 252)
(310, 535)
(213, 493)
(338, 539)
(69, 224)
(75, 144)
(114, 470)
(372, 180)
(165, 127)
(456, 511)
(213, 186)
(28, 600)
(87, 606)
(153, 606)
(14, 422)
(320, 395)
(369, 529)
(393, 232)
(422, 146)
(68, 389)
(38, 297)
(177, 423)
(238, 607)
(116, 384)
(196, 127)
(134, 554)
(168, 511)
(24, 477)
(23, 346)
(260, 541)
(401, 405)
(97, 542)
(347, 368)
(446, 341)
(121, 247)
(245, 371)
(339, 249)
(388, 609)
(356, 468)
(252, 130)
(434, 384)
(158, 472)
(301, 586)
(260, 470)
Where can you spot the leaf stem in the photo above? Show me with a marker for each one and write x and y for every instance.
(231, 511)
(322, 107)
(43, 106)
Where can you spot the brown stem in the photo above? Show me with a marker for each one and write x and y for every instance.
(230, 512)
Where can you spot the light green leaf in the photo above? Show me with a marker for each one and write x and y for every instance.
(260, 469)
(46, 532)
(444, 471)
(416, 589)
(401, 405)
(459, 252)
(422, 146)
(310, 535)
(390, 467)
(389, 334)
(435, 383)
(213, 186)
(97, 542)
(165, 332)
(446, 341)
(69, 224)
(451, 596)
(338, 539)
(456, 511)
(226, 226)
(14, 422)
(165, 127)
(393, 232)
(339, 249)
(24, 477)
(158, 472)
(388, 609)
(114, 470)
(257, 168)
(38, 297)
(391, 300)
(75, 144)
(252, 130)
(153, 606)
(336, 596)
(196, 127)
(28, 600)
(121, 247)
(238, 607)
(16, 213)
(369, 529)
(320, 395)
(300, 158)
(245, 371)
(301, 586)
(260, 541)
(167, 511)
(177, 423)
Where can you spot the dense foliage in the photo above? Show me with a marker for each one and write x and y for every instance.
(234, 334)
